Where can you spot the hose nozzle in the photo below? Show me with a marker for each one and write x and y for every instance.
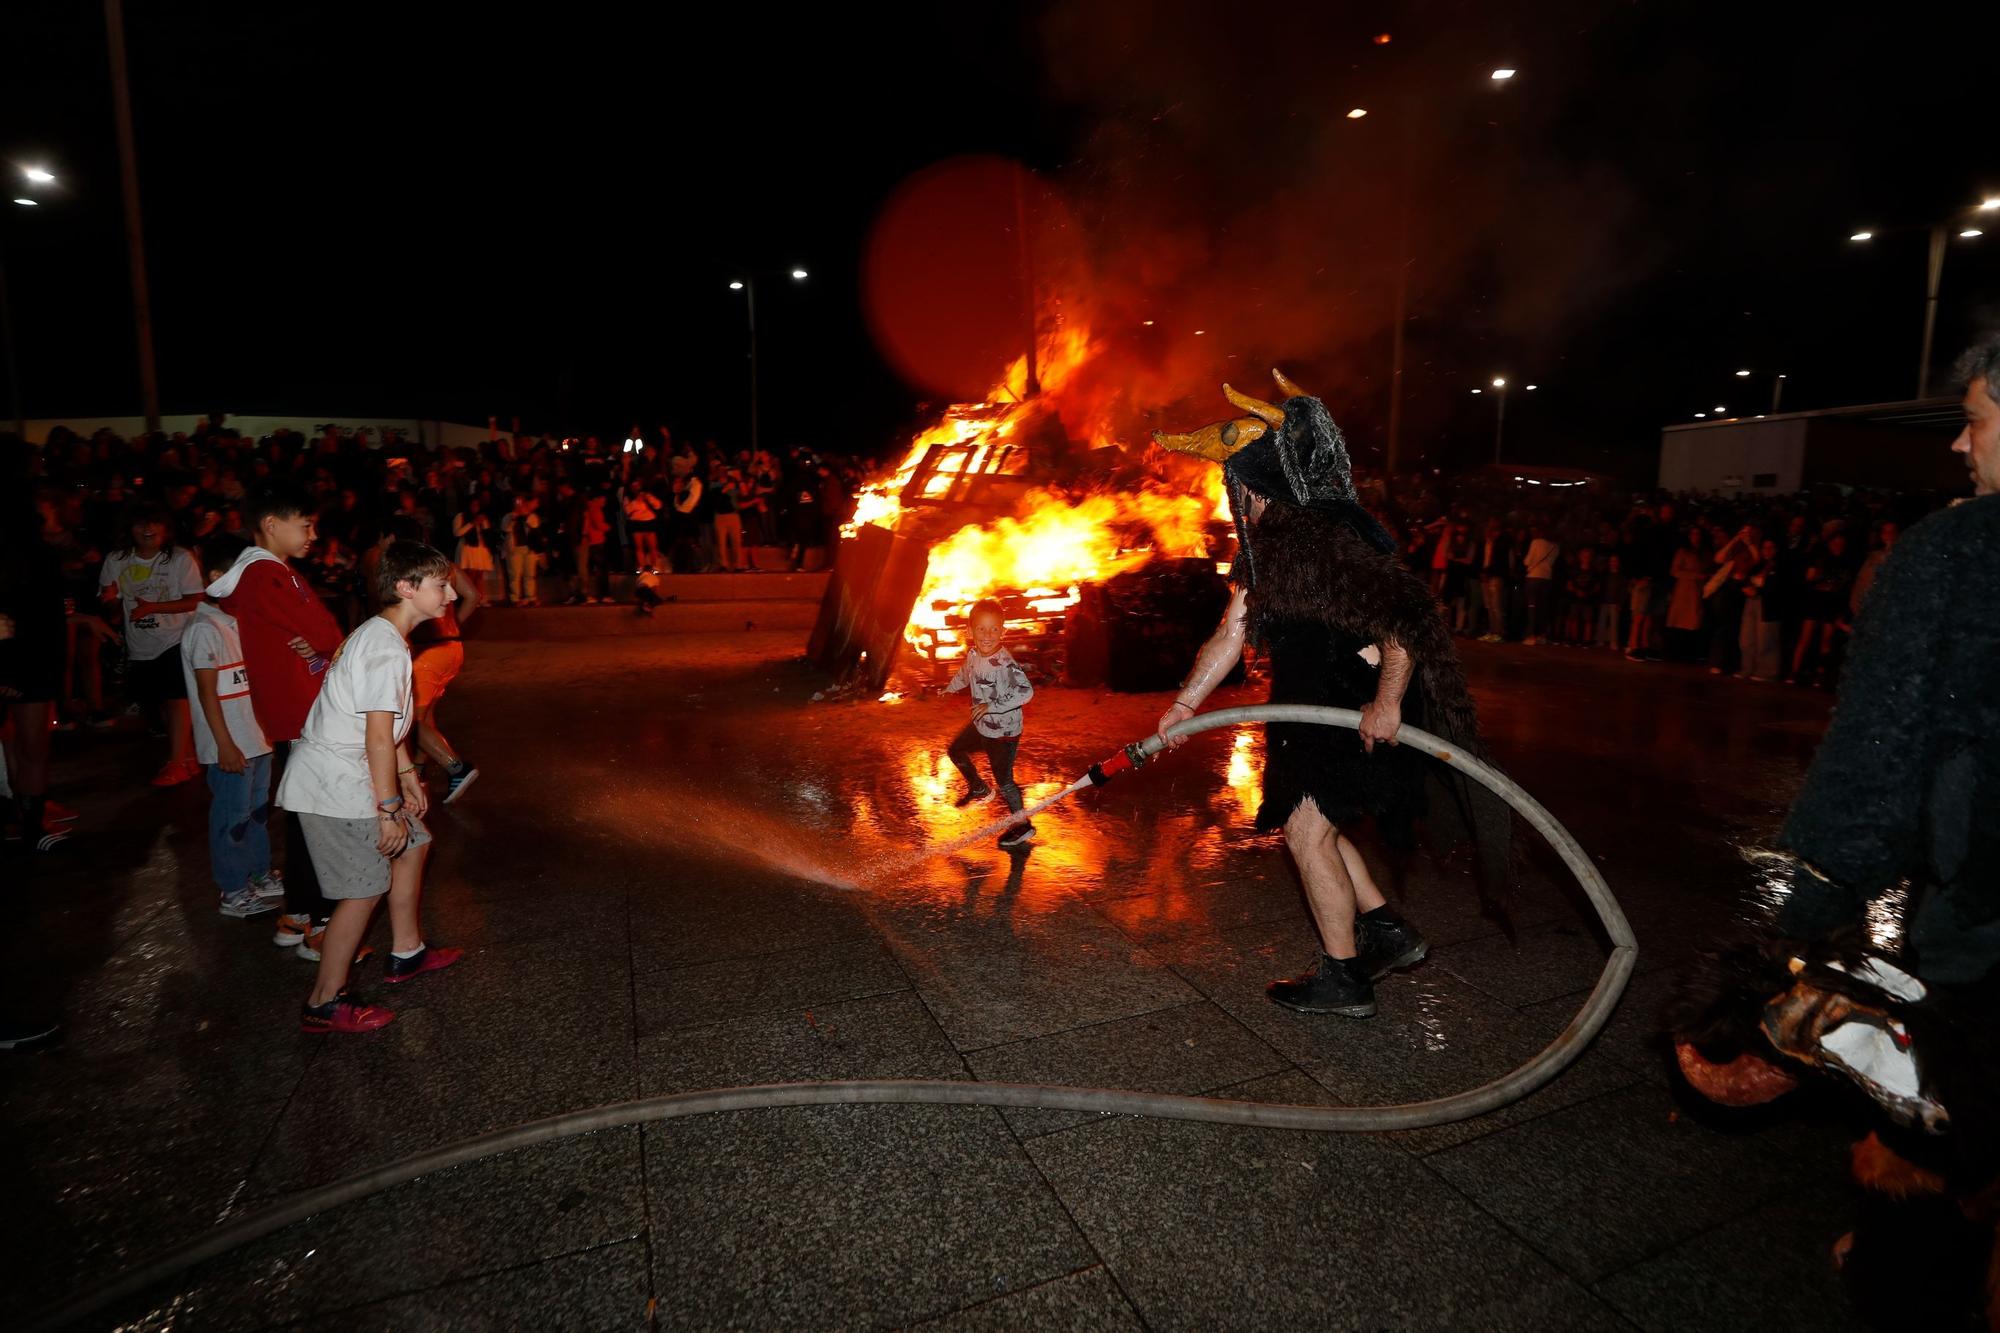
(1132, 756)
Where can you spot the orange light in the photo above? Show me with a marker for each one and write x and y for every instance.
(1382, 39)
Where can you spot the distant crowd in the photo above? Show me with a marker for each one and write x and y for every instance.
(514, 511)
(1759, 587)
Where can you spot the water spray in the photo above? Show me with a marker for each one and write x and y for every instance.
(1503, 1091)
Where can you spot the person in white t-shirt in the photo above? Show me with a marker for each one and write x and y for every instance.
(159, 587)
(228, 740)
(354, 787)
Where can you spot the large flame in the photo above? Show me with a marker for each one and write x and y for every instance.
(1037, 558)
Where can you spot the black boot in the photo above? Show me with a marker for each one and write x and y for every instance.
(1334, 986)
(1385, 942)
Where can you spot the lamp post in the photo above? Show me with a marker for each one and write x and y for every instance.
(33, 176)
(1964, 223)
(748, 286)
(1500, 414)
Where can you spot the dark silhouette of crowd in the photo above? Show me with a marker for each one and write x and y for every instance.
(1761, 587)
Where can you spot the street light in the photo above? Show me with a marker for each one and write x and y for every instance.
(39, 175)
(1935, 273)
(1502, 75)
(27, 203)
(1742, 374)
(748, 286)
(1500, 412)
(1357, 113)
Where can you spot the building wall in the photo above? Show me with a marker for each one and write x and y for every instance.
(1734, 458)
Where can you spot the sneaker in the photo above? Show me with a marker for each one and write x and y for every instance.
(456, 783)
(1386, 944)
(173, 774)
(245, 902)
(54, 814)
(425, 960)
(1018, 836)
(309, 946)
(270, 884)
(291, 930)
(1334, 986)
(972, 796)
(344, 1013)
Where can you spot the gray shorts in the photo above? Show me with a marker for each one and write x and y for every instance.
(344, 855)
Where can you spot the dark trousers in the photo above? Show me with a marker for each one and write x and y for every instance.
(302, 895)
(999, 752)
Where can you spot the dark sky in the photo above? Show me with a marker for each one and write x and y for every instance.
(350, 209)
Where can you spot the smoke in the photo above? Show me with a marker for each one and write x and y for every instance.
(1223, 193)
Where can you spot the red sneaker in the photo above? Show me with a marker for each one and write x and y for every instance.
(343, 1013)
(173, 774)
(426, 960)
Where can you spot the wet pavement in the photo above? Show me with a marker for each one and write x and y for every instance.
(650, 880)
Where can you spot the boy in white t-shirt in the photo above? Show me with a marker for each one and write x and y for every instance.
(159, 587)
(228, 740)
(354, 788)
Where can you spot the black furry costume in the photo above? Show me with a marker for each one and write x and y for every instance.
(1906, 785)
(1324, 581)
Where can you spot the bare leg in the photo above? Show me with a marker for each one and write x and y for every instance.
(1330, 892)
(431, 741)
(180, 730)
(343, 936)
(406, 882)
(1366, 896)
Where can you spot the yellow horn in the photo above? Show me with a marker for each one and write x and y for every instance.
(1285, 386)
(1254, 406)
(1215, 443)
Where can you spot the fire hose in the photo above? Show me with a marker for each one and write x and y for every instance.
(1550, 1061)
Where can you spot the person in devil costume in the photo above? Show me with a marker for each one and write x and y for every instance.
(1319, 585)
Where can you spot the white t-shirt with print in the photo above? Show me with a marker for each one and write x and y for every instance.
(212, 642)
(168, 576)
(327, 770)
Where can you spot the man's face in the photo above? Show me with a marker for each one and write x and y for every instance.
(1980, 440)
(290, 537)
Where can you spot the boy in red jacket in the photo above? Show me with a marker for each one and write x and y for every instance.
(288, 639)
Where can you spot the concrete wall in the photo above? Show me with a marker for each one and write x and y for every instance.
(449, 433)
(1731, 457)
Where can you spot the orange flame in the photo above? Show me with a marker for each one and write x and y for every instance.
(1056, 542)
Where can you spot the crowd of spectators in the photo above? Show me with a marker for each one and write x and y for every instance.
(1760, 587)
(518, 511)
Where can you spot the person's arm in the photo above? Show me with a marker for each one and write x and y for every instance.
(390, 804)
(228, 757)
(1382, 715)
(962, 677)
(261, 596)
(415, 799)
(179, 605)
(1217, 658)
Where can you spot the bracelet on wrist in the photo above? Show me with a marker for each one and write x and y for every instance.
(390, 804)
(411, 769)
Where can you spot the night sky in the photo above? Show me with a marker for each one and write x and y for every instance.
(350, 210)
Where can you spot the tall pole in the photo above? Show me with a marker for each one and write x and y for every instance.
(1403, 262)
(750, 290)
(1777, 393)
(1034, 385)
(1930, 310)
(135, 241)
(1500, 424)
(13, 362)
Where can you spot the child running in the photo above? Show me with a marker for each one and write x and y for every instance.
(228, 740)
(999, 690)
(159, 587)
(355, 790)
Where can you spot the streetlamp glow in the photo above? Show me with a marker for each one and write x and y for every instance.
(1531, 387)
(1969, 233)
(1862, 236)
(1147, 323)
(1742, 374)
(1499, 383)
(1479, 391)
(1502, 75)
(799, 274)
(735, 286)
(39, 175)
(1700, 416)
(1990, 205)
(1720, 409)
(26, 203)
(1357, 113)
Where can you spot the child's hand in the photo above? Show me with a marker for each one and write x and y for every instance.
(228, 757)
(301, 647)
(979, 711)
(415, 799)
(141, 609)
(393, 837)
